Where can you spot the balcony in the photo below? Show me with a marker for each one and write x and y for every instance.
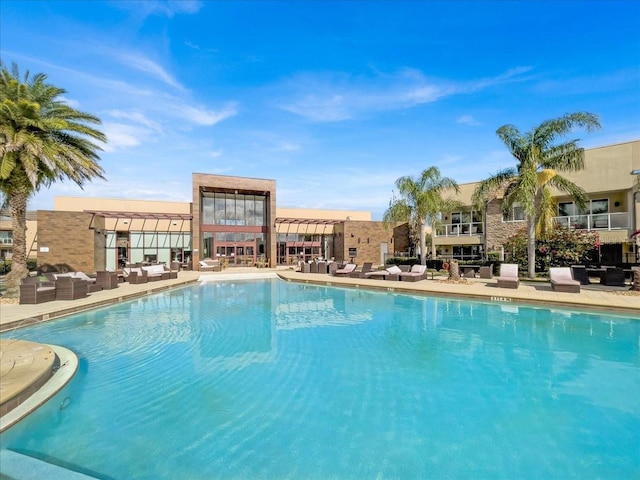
(460, 229)
(598, 221)
(6, 241)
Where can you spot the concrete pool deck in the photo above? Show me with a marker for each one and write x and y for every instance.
(28, 363)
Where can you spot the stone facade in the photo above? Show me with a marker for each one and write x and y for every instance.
(70, 241)
(497, 230)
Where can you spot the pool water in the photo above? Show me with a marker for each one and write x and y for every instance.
(269, 379)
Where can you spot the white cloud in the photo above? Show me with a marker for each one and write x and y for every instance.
(335, 97)
(202, 116)
(468, 120)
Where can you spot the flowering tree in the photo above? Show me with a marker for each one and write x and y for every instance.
(560, 247)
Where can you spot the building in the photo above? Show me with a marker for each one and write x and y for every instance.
(610, 178)
(237, 220)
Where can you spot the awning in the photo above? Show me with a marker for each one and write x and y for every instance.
(144, 216)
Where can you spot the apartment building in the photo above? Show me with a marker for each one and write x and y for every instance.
(610, 178)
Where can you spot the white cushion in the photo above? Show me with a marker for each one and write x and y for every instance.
(419, 269)
(394, 270)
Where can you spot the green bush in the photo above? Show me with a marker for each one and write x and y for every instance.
(561, 247)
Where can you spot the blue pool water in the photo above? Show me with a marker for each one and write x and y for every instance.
(274, 380)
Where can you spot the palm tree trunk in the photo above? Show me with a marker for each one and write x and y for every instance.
(454, 270)
(18, 204)
(423, 244)
(531, 246)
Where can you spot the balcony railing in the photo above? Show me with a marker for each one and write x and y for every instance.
(6, 241)
(598, 221)
(460, 229)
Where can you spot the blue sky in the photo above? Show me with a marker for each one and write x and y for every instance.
(332, 99)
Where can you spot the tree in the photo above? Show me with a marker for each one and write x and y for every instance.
(540, 159)
(42, 140)
(420, 199)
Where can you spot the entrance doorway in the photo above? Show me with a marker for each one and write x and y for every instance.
(235, 254)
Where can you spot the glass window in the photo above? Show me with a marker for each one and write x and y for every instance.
(599, 206)
(516, 214)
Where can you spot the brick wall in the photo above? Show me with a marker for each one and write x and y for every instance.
(366, 238)
(66, 243)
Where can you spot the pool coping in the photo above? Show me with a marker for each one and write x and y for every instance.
(537, 294)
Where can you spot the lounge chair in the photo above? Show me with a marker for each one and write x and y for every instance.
(70, 288)
(562, 280)
(209, 265)
(390, 273)
(366, 267)
(417, 273)
(35, 290)
(508, 277)
(345, 271)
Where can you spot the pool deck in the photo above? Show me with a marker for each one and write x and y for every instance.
(24, 365)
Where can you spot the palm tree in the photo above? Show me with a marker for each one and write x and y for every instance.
(540, 159)
(419, 199)
(42, 140)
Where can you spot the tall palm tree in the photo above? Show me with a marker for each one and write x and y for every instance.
(540, 159)
(420, 199)
(42, 140)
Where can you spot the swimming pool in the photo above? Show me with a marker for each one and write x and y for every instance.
(272, 379)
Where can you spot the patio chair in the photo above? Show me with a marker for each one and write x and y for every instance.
(508, 277)
(579, 273)
(345, 271)
(417, 273)
(613, 277)
(366, 267)
(35, 290)
(135, 275)
(390, 273)
(305, 267)
(70, 288)
(562, 280)
(107, 280)
(486, 271)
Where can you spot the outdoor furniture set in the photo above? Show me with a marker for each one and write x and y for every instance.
(74, 285)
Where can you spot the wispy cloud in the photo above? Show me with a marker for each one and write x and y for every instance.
(203, 116)
(468, 120)
(144, 64)
(165, 8)
(336, 97)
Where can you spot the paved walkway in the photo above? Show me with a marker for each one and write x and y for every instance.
(24, 365)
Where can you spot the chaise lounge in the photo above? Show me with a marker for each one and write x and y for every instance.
(508, 277)
(390, 273)
(417, 273)
(345, 271)
(366, 267)
(562, 280)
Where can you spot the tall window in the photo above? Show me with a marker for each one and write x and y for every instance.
(233, 209)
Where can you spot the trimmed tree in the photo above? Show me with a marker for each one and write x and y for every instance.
(42, 140)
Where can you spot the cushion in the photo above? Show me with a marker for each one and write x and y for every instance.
(419, 269)
(394, 270)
